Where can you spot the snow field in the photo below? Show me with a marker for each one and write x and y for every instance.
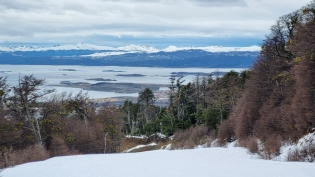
(205, 162)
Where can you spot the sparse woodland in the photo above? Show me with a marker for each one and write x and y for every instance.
(274, 101)
(35, 125)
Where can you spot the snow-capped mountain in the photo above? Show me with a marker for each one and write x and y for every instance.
(129, 48)
(132, 55)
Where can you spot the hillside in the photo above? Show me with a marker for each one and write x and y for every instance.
(268, 110)
(278, 100)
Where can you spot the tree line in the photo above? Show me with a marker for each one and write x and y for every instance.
(279, 97)
(206, 100)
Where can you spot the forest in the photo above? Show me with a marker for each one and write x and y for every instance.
(271, 102)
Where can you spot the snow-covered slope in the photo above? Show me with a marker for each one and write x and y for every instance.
(130, 48)
(214, 162)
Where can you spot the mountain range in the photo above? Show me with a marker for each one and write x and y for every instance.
(132, 55)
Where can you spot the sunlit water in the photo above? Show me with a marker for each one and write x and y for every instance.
(55, 74)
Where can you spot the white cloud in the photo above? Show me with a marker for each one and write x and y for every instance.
(75, 21)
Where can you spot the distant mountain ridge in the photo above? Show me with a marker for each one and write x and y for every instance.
(132, 47)
(132, 55)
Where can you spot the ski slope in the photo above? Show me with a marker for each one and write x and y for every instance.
(205, 162)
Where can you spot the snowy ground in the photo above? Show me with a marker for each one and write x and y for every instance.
(214, 162)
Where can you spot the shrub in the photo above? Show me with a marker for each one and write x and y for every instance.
(304, 150)
(59, 148)
(179, 139)
(308, 153)
(192, 137)
(303, 154)
(272, 146)
(29, 154)
(226, 131)
(293, 155)
(251, 143)
(84, 138)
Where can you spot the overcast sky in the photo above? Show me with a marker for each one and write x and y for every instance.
(143, 22)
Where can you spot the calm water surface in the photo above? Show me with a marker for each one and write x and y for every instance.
(55, 74)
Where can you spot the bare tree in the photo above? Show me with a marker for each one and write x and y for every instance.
(79, 106)
(23, 104)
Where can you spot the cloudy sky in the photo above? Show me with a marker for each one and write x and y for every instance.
(156, 23)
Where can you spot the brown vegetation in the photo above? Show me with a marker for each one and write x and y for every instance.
(226, 131)
(130, 142)
(31, 153)
(192, 137)
(251, 143)
(278, 101)
(58, 147)
(272, 146)
(67, 125)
